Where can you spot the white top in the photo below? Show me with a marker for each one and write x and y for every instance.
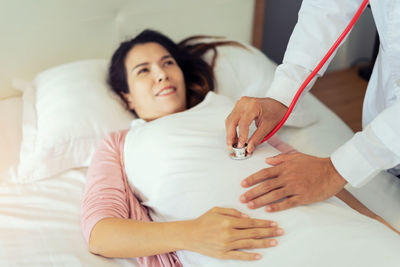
(180, 168)
(320, 23)
(161, 155)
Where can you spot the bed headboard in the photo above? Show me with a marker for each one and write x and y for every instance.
(39, 34)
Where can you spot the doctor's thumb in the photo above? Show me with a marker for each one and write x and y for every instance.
(257, 138)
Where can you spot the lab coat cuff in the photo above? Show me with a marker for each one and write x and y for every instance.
(352, 166)
(283, 90)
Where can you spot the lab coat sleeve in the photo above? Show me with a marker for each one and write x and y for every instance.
(319, 24)
(374, 149)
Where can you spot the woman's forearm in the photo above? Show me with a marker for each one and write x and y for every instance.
(125, 238)
(355, 204)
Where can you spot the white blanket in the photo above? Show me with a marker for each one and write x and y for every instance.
(180, 168)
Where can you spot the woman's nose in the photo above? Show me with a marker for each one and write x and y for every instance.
(162, 75)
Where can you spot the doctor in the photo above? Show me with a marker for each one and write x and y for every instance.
(299, 178)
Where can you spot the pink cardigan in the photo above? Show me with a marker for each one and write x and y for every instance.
(107, 192)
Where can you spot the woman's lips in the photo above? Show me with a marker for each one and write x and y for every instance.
(168, 90)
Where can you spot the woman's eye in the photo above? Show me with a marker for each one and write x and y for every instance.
(169, 62)
(143, 70)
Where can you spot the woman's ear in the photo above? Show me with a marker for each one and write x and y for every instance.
(128, 99)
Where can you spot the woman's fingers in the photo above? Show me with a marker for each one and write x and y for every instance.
(258, 233)
(241, 255)
(229, 212)
(252, 223)
(253, 243)
(216, 232)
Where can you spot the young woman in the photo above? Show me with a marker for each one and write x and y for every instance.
(144, 196)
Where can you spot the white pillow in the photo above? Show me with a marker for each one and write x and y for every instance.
(68, 109)
(66, 112)
(241, 72)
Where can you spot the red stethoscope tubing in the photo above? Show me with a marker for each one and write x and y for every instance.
(320, 65)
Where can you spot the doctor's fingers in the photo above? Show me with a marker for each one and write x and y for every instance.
(244, 125)
(262, 130)
(262, 175)
(273, 196)
(242, 121)
(244, 113)
(260, 190)
(280, 158)
(286, 203)
(231, 123)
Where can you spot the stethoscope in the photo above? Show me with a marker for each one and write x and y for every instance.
(241, 153)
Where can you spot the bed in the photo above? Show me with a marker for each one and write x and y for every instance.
(39, 215)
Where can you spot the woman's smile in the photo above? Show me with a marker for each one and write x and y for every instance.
(166, 91)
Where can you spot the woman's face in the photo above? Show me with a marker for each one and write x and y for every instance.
(156, 82)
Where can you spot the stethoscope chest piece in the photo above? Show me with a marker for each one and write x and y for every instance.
(239, 153)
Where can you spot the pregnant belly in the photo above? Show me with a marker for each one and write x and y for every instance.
(322, 234)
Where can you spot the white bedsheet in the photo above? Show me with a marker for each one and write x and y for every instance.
(39, 224)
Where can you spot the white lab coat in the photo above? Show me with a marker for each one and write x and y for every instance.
(377, 147)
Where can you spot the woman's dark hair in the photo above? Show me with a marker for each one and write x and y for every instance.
(199, 76)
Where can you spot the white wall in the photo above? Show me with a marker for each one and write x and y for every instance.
(36, 35)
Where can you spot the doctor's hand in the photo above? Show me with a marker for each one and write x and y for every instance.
(295, 179)
(266, 112)
(221, 232)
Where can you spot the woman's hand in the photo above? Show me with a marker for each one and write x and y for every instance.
(221, 232)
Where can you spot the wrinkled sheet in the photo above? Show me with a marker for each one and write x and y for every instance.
(39, 224)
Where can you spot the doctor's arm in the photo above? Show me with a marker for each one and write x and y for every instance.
(374, 149)
(320, 23)
(303, 179)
